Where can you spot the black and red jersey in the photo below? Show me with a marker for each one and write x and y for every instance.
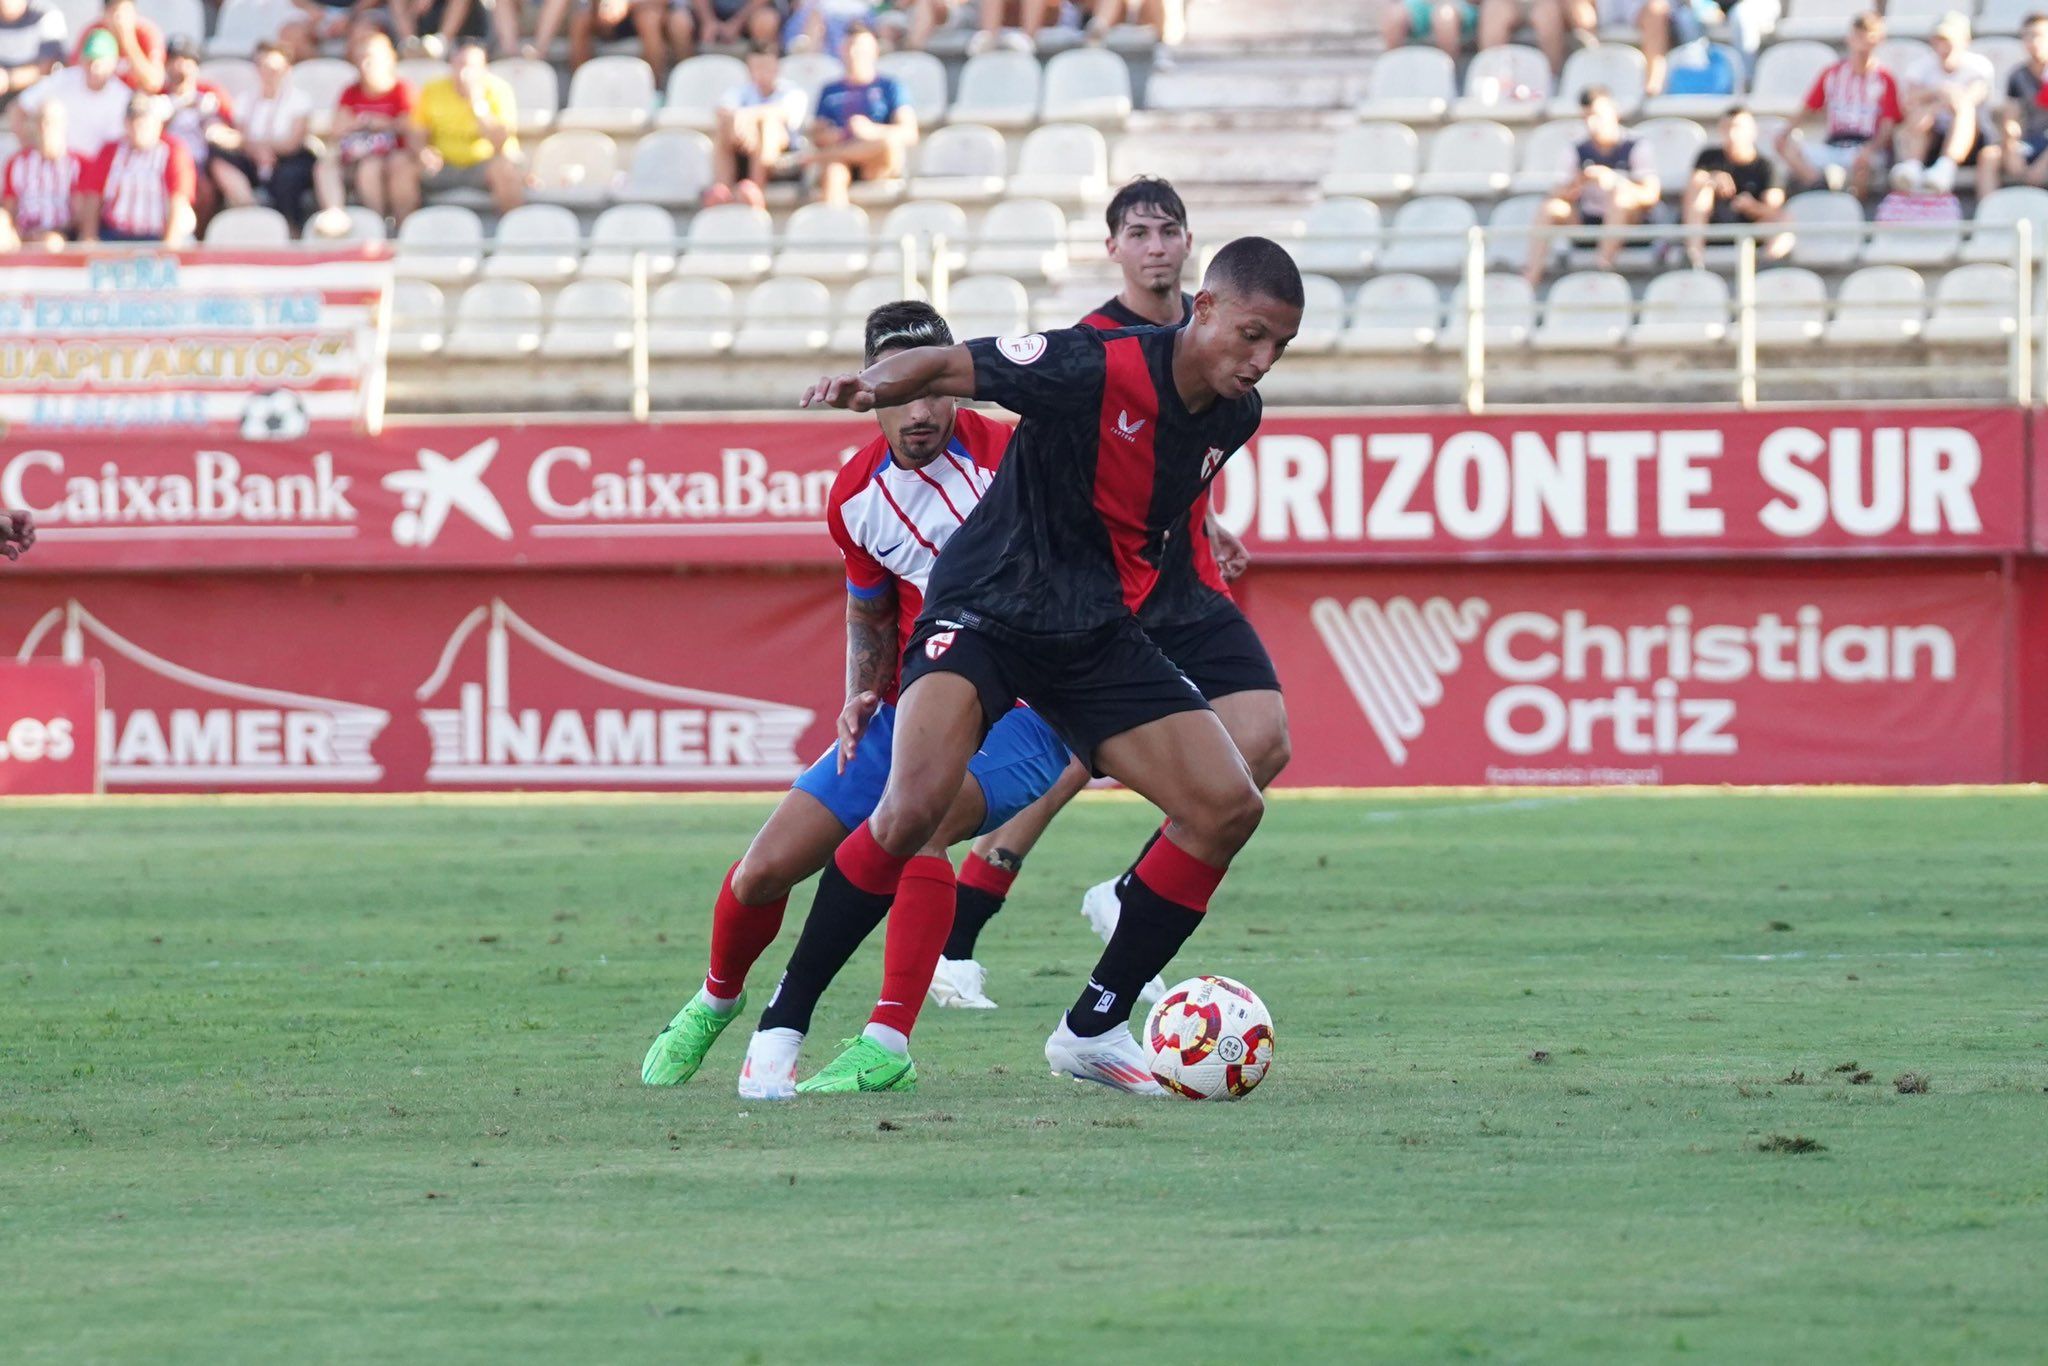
(1095, 487)
(1117, 314)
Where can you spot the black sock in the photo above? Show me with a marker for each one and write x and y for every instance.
(973, 907)
(1131, 872)
(1149, 932)
(842, 915)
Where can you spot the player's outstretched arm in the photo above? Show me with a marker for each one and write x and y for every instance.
(871, 660)
(920, 372)
(17, 533)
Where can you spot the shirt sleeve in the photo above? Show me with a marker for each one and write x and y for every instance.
(1044, 373)
(1818, 96)
(7, 174)
(898, 101)
(1889, 108)
(1642, 162)
(865, 577)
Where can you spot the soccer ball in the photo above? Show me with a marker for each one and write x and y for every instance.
(275, 415)
(1209, 1038)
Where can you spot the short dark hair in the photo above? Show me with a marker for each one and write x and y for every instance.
(1594, 92)
(1146, 192)
(265, 48)
(1868, 20)
(1255, 266)
(764, 50)
(2032, 19)
(1736, 111)
(905, 323)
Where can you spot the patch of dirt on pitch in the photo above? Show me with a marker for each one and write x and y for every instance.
(1846, 1067)
(1789, 1143)
(1540, 1055)
(1911, 1083)
(1860, 1078)
(888, 1126)
(1117, 1122)
(1794, 1078)
(1777, 926)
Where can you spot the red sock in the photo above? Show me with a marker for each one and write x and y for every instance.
(867, 865)
(984, 876)
(918, 925)
(739, 934)
(1179, 876)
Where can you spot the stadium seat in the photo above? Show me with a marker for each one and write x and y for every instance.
(1785, 73)
(538, 242)
(1508, 306)
(1826, 20)
(177, 18)
(998, 90)
(1993, 235)
(364, 225)
(964, 163)
(1791, 306)
(236, 76)
(2005, 16)
(536, 92)
(1977, 303)
(1338, 237)
(1025, 238)
(1410, 85)
(1507, 230)
(610, 95)
(1917, 18)
(1913, 244)
(826, 242)
(1543, 152)
(1393, 315)
(729, 242)
(1475, 159)
(670, 167)
(695, 87)
(849, 336)
(321, 80)
(988, 306)
(1088, 85)
(590, 320)
(1620, 69)
(419, 319)
(1322, 315)
(242, 24)
(786, 317)
(1510, 84)
(1589, 310)
(626, 230)
(1903, 55)
(1835, 216)
(496, 320)
(1064, 162)
(810, 72)
(923, 78)
(419, 72)
(1683, 309)
(1702, 89)
(1375, 161)
(576, 166)
(251, 227)
(2005, 55)
(1879, 305)
(440, 242)
(688, 318)
(1674, 145)
(923, 220)
(1428, 236)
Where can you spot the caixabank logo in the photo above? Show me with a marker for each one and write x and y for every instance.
(1572, 684)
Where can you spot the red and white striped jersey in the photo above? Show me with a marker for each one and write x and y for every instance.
(136, 186)
(38, 190)
(891, 523)
(1858, 102)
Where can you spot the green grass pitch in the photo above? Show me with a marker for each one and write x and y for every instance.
(1558, 1079)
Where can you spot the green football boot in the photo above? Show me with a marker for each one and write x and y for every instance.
(864, 1066)
(678, 1051)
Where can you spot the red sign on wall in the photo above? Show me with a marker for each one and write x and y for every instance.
(49, 727)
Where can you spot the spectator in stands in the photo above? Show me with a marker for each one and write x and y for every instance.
(326, 21)
(2023, 122)
(1861, 100)
(140, 188)
(95, 102)
(1734, 183)
(201, 117)
(864, 125)
(1562, 25)
(1609, 179)
(140, 44)
(375, 136)
(31, 44)
(691, 24)
(1451, 24)
(40, 185)
(431, 27)
(1944, 96)
(269, 150)
(1165, 17)
(610, 21)
(468, 117)
(1018, 20)
(758, 121)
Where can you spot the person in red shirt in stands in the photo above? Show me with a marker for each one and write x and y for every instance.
(140, 189)
(202, 117)
(140, 41)
(1861, 103)
(373, 128)
(39, 187)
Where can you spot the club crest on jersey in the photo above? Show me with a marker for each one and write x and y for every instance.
(1127, 428)
(1022, 350)
(939, 644)
(1212, 459)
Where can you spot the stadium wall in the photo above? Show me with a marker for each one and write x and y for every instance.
(1643, 597)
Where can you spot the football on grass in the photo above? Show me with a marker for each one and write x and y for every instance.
(1209, 1038)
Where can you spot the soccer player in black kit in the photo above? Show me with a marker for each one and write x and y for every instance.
(1036, 596)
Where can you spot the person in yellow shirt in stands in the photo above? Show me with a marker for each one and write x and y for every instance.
(467, 118)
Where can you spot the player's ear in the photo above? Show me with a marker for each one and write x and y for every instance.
(1205, 305)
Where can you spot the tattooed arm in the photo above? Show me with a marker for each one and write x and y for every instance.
(871, 660)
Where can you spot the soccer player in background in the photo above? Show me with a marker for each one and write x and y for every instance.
(892, 508)
(1190, 617)
(1037, 599)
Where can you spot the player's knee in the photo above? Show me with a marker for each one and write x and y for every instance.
(757, 880)
(1273, 756)
(1227, 822)
(905, 820)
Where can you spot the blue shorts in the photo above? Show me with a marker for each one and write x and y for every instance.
(1017, 764)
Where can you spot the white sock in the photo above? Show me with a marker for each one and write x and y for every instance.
(724, 1005)
(895, 1040)
(790, 1036)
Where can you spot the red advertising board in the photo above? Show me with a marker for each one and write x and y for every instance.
(1369, 487)
(49, 727)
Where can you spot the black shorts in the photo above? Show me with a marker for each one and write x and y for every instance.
(1087, 685)
(1221, 653)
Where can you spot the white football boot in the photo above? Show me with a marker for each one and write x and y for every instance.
(961, 983)
(769, 1073)
(1100, 904)
(1114, 1060)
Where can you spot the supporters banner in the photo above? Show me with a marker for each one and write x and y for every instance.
(264, 346)
(49, 727)
(1571, 676)
(716, 492)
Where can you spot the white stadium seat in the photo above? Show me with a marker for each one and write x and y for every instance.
(1066, 162)
(1475, 159)
(626, 230)
(177, 18)
(364, 225)
(590, 320)
(252, 227)
(998, 90)
(1825, 20)
(1543, 152)
(2005, 16)
(826, 242)
(1785, 73)
(419, 318)
(1620, 69)
(1683, 309)
(1428, 236)
(2006, 55)
(1913, 244)
(1375, 161)
(1410, 85)
(1338, 237)
(1974, 304)
(925, 221)
(988, 306)
(811, 72)
(965, 163)
(1994, 236)
(688, 318)
(496, 320)
(1026, 238)
(1825, 228)
(536, 92)
(923, 78)
(420, 72)
(242, 24)
(729, 242)
(538, 242)
(849, 337)
(1791, 306)
(576, 166)
(609, 94)
(695, 86)
(1589, 310)
(1508, 307)
(1322, 315)
(236, 76)
(1394, 315)
(1086, 85)
(1675, 144)
(1916, 18)
(1510, 84)
(784, 317)
(321, 80)
(440, 242)
(670, 167)
(1902, 56)
(1507, 230)
(1879, 305)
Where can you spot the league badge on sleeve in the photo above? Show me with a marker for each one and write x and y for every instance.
(1022, 350)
